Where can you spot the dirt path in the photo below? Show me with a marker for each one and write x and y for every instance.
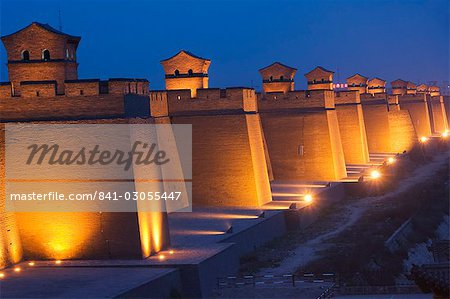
(307, 250)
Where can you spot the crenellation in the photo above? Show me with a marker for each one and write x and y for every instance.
(298, 99)
(420, 97)
(375, 98)
(179, 102)
(393, 99)
(33, 89)
(347, 97)
(85, 87)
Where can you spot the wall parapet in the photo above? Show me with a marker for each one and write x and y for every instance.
(78, 87)
(374, 99)
(346, 97)
(209, 101)
(297, 99)
(412, 98)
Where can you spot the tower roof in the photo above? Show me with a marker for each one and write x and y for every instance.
(276, 63)
(377, 79)
(399, 81)
(45, 27)
(319, 68)
(181, 52)
(358, 76)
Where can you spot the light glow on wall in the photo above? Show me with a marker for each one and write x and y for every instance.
(375, 174)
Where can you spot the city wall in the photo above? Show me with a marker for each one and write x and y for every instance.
(352, 127)
(229, 165)
(302, 134)
(417, 106)
(77, 235)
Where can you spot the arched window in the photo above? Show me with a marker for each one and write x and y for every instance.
(177, 73)
(46, 54)
(67, 54)
(25, 55)
(281, 78)
(271, 78)
(190, 72)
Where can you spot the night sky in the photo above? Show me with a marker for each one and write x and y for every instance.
(386, 39)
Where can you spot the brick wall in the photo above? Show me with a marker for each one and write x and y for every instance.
(402, 133)
(296, 100)
(438, 117)
(76, 235)
(10, 244)
(377, 127)
(37, 90)
(61, 107)
(353, 133)
(222, 168)
(286, 132)
(418, 109)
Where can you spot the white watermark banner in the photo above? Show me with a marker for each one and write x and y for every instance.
(98, 167)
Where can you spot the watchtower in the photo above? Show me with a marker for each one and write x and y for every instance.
(411, 88)
(434, 91)
(278, 77)
(357, 82)
(376, 85)
(399, 87)
(320, 79)
(39, 52)
(185, 70)
(423, 88)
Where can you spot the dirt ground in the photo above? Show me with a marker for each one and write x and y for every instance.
(349, 237)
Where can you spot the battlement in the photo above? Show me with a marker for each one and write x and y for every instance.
(91, 98)
(347, 97)
(421, 97)
(373, 99)
(392, 99)
(84, 87)
(208, 101)
(297, 99)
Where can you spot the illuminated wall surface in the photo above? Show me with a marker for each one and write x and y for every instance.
(438, 117)
(78, 235)
(418, 109)
(352, 128)
(304, 146)
(376, 121)
(402, 133)
(229, 166)
(10, 244)
(447, 107)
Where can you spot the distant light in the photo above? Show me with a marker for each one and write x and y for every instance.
(423, 139)
(445, 134)
(375, 174)
(161, 257)
(58, 262)
(391, 160)
(31, 264)
(170, 251)
(308, 198)
(2, 275)
(17, 269)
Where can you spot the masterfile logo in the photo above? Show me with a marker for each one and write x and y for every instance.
(98, 167)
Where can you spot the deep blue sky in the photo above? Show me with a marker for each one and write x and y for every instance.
(387, 39)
